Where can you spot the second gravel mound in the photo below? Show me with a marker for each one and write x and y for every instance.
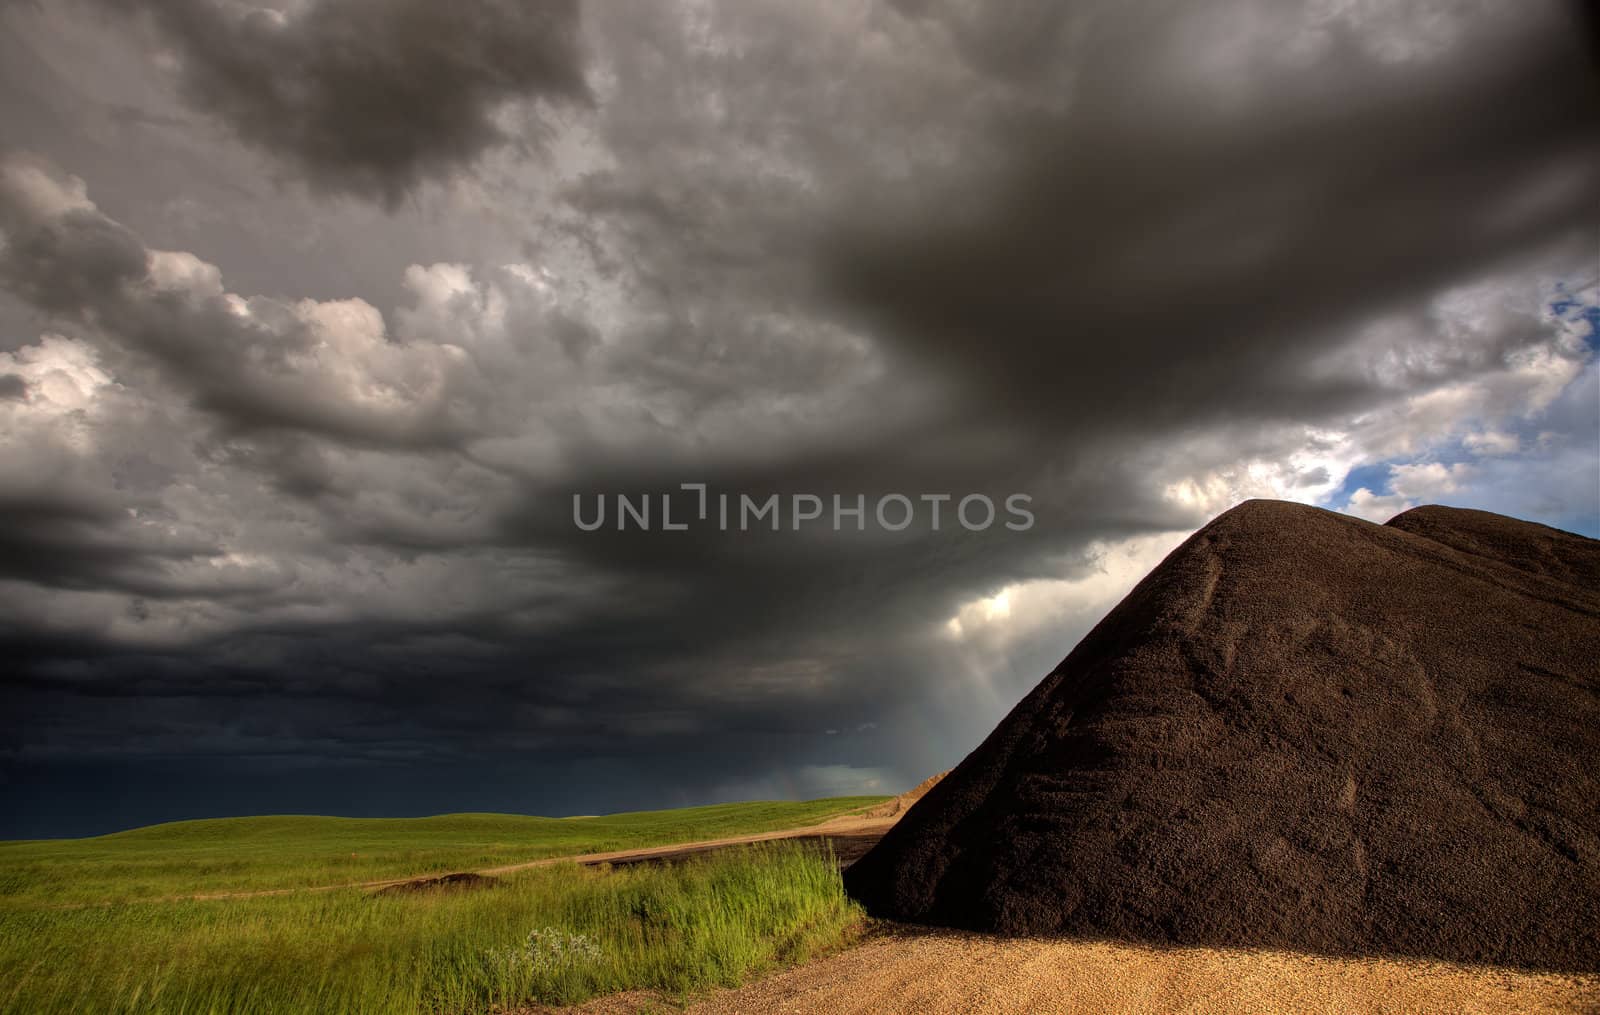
(1301, 730)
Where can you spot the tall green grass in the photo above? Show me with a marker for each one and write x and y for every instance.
(238, 854)
(677, 929)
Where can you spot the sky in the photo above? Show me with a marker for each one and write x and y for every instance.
(318, 317)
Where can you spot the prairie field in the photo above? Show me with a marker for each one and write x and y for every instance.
(552, 934)
(299, 851)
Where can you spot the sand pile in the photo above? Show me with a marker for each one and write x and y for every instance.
(899, 805)
(1304, 731)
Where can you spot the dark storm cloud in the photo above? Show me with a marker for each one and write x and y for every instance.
(812, 592)
(70, 264)
(372, 97)
(62, 543)
(930, 248)
(1136, 265)
(1141, 240)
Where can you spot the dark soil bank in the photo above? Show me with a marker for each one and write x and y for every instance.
(440, 883)
(847, 849)
(1305, 731)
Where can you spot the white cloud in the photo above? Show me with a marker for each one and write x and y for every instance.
(41, 195)
(1049, 615)
(1374, 507)
(319, 365)
(1429, 481)
(1492, 443)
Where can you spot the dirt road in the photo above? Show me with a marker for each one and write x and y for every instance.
(852, 834)
(930, 973)
(845, 826)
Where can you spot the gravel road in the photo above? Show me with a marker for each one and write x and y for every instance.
(933, 972)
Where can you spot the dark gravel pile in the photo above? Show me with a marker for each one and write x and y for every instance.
(1301, 730)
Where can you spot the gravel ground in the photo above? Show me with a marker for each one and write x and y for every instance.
(934, 972)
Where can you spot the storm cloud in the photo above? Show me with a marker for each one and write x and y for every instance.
(286, 480)
(372, 98)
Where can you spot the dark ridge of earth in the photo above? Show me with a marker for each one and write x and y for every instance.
(1300, 731)
(847, 849)
(456, 881)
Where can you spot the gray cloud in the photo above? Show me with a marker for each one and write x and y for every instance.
(1137, 262)
(1205, 256)
(372, 97)
(257, 362)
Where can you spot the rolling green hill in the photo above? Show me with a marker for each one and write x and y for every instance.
(297, 851)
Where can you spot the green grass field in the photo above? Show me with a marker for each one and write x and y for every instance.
(676, 928)
(240, 854)
(101, 926)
